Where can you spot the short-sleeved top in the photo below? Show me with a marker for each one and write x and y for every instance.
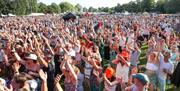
(134, 57)
(108, 87)
(123, 71)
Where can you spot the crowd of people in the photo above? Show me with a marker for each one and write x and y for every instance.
(47, 53)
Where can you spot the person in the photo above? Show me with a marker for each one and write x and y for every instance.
(141, 81)
(166, 67)
(43, 77)
(110, 81)
(134, 59)
(151, 67)
(70, 72)
(122, 68)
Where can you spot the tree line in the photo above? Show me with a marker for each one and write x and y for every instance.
(23, 7)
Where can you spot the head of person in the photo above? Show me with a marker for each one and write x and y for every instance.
(68, 46)
(31, 60)
(167, 55)
(109, 72)
(153, 56)
(140, 79)
(47, 57)
(95, 49)
(22, 81)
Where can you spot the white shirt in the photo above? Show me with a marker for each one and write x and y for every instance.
(151, 66)
(168, 66)
(122, 41)
(122, 71)
(107, 87)
(71, 52)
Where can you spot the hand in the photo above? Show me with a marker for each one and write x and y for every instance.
(119, 78)
(43, 75)
(16, 66)
(8, 89)
(57, 79)
(104, 75)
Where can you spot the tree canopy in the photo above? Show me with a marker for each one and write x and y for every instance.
(22, 7)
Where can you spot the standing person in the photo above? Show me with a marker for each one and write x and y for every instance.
(141, 81)
(110, 81)
(134, 59)
(122, 68)
(166, 67)
(107, 49)
(151, 67)
(70, 72)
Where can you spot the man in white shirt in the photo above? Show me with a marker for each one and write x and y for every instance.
(166, 67)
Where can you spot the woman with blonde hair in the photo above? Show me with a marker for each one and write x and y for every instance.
(70, 72)
(151, 68)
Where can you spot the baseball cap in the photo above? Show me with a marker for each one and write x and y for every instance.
(32, 57)
(142, 77)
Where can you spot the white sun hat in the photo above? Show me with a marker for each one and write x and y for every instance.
(32, 57)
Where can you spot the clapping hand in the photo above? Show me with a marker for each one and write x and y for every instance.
(57, 79)
(16, 66)
(43, 75)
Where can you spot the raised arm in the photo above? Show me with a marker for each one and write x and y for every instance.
(42, 61)
(43, 77)
(47, 43)
(57, 84)
(72, 71)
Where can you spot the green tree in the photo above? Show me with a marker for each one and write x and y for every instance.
(33, 5)
(85, 9)
(54, 8)
(118, 8)
(42, 8)
(160, 6)
(78, 7)
(66, 6)
(91, 9)
(172, 6)
(104, 9)
(148, 5)
(21, 7)
(2, 5)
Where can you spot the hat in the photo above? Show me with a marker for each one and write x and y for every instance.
(32, 57)
(109, 72)
(142, 77)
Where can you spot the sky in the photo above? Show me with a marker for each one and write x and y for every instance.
(88, 3)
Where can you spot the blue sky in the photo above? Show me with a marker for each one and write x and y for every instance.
(88, 3)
